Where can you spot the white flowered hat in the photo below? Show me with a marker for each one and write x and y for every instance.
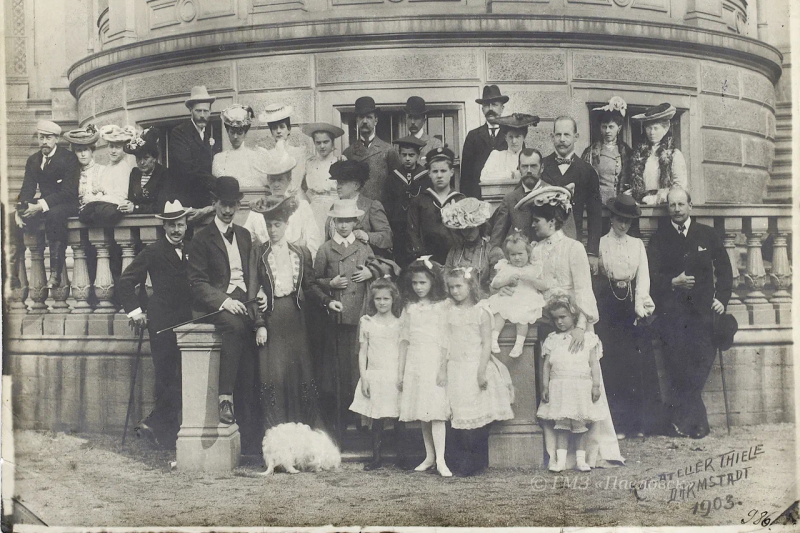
(466, 213)
(559, 196)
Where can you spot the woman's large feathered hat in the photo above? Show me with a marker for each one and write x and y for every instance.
(237, 116)
(466, 213)
(83, 136)
(143, 143)
(274, 208)
(550, 194)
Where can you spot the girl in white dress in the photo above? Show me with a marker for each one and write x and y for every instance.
(524, 307)
(423, 355)
(571, 383)
(478, 385)
(320, 189)
(376, 395)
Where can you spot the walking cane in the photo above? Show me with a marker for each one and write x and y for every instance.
(192, 321)
(724, 392)
(133, 384)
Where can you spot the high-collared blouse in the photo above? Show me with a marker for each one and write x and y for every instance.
(501, 165)
(625, 259)
(112, 183)
(90, 177)
(246, 164)
(318, 174)
(302, 228)
(565, 266)
(285, 266)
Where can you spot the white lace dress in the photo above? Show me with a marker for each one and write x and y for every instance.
(525, 305)
(383, 360)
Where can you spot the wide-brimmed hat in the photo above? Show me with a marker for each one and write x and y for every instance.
(725, 328)
(440, 154)
(279, 163)
(491, 93)
(466, 213)
(349, 170)
(516, 121)
(616, 105)
(48, 127)
(83, 136)
(275, 113)
(199, 95)
(345, 209)
(549, 194)
(226, 189)
(172, 211)
(143, 143)
(314, 127)
(365, 105)
(114, 134)
(624, 206)
(410, 140)
(237, 116)
(415, 106)
(275, 208)
(663, 111)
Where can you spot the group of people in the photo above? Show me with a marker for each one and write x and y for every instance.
(366, 287)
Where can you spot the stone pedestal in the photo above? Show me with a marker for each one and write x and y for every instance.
(519, 442)
(203, 444)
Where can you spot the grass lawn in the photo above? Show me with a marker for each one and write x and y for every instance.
(85, 480)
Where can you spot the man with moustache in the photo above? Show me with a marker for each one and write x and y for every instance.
(482, 140)
(56, 172)
(379, 155)
(507, 217)
(165, 262)
(191, 154)
(691, 281)
(416, 115)
(563, 167)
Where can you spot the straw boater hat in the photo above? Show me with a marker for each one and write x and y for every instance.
(410, 141)
(345, 209)
(274, 208)
(83, 136)
(615, 106)
(48, 127)
(199, 95)
(172, 211)
(491, 93)
(663, 111)
(624, 206)
(275, 113)
(114, 134)
(226, 189)
(517, 121)
(466, 213)
(145, 143)
(550, 194)
(349, 170)
(314, 127)
(237, 116)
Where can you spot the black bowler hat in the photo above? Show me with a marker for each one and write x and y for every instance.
(491, 93)
(415, 106)
(226, 189)
(624, 206)
(365, 105)
(349, 170)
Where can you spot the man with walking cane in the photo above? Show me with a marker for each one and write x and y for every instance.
(170, 304)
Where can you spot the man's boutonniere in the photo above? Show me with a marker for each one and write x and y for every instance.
(211, 141)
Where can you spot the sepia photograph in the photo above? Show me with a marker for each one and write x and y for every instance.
(382, 264)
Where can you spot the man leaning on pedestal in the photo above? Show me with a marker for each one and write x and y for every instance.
(482, 140)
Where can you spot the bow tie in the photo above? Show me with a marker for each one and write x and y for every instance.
(681, 229)
(563, 161)
(229, 234)
(178, 246)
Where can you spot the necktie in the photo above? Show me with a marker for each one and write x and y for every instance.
(682, 230)
(45, 162)
(563, 160)
(229, 234)
(493, 133)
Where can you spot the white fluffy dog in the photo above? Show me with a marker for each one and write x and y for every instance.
(295, 447)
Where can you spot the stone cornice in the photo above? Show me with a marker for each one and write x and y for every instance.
(331, 34)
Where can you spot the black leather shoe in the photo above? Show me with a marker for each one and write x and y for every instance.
(226, 412)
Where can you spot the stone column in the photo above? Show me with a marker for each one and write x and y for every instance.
(781, 274)
(733, 228)
(126, 237)
(647, 228)
(705, 14)
(762, 312)
(17, 294)
(204, 444)
(100, 322)
(35, 242)
(76, 323)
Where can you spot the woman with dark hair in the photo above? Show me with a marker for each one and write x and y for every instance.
(83, 142)
(320, 189)
(242, 162)
(609, 155)
(278, 118)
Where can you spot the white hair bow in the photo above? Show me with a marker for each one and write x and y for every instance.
(426, 259)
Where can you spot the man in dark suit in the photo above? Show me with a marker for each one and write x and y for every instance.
(507, 217)
(220, 259)
(482, 140)
(57, 173)
(191, 153)
(149, 182)
(170, 304)
(563, 167)
(379, 155)
(685, 258)
(416, 118)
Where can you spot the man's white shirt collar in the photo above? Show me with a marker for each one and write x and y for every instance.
(568, 156)
(200, 130)
(338, 239)
(46, 158)
(371, 137)
(419, 134)
(221, 226)
(686, 224)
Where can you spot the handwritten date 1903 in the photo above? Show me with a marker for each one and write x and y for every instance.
(706, 506)
(760, 518)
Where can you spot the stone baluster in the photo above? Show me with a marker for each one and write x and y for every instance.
(126, 237)
(761, 311)
(18, 291)
(781, 274)
(61, 293)
(100, 322)
(38, 292)
(733, 228)
(647, 228)
(76, 323)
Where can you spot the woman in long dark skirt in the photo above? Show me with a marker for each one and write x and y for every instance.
(286, 281)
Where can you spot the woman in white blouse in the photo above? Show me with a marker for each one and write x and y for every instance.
(320, 189)
(245, 164)
(623, 297)
(109, 200)
(504, 164)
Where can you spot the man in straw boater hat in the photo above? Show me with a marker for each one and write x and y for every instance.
(220, 261)
(149, 180)
(482, 140)
(191, 154)
(416, 115)
(165, 262)
(368, 147)
(56, 172)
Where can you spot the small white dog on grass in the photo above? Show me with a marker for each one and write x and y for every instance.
(296, 447)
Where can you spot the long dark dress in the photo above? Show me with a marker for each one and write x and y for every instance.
(288, 390)
(481, 256)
